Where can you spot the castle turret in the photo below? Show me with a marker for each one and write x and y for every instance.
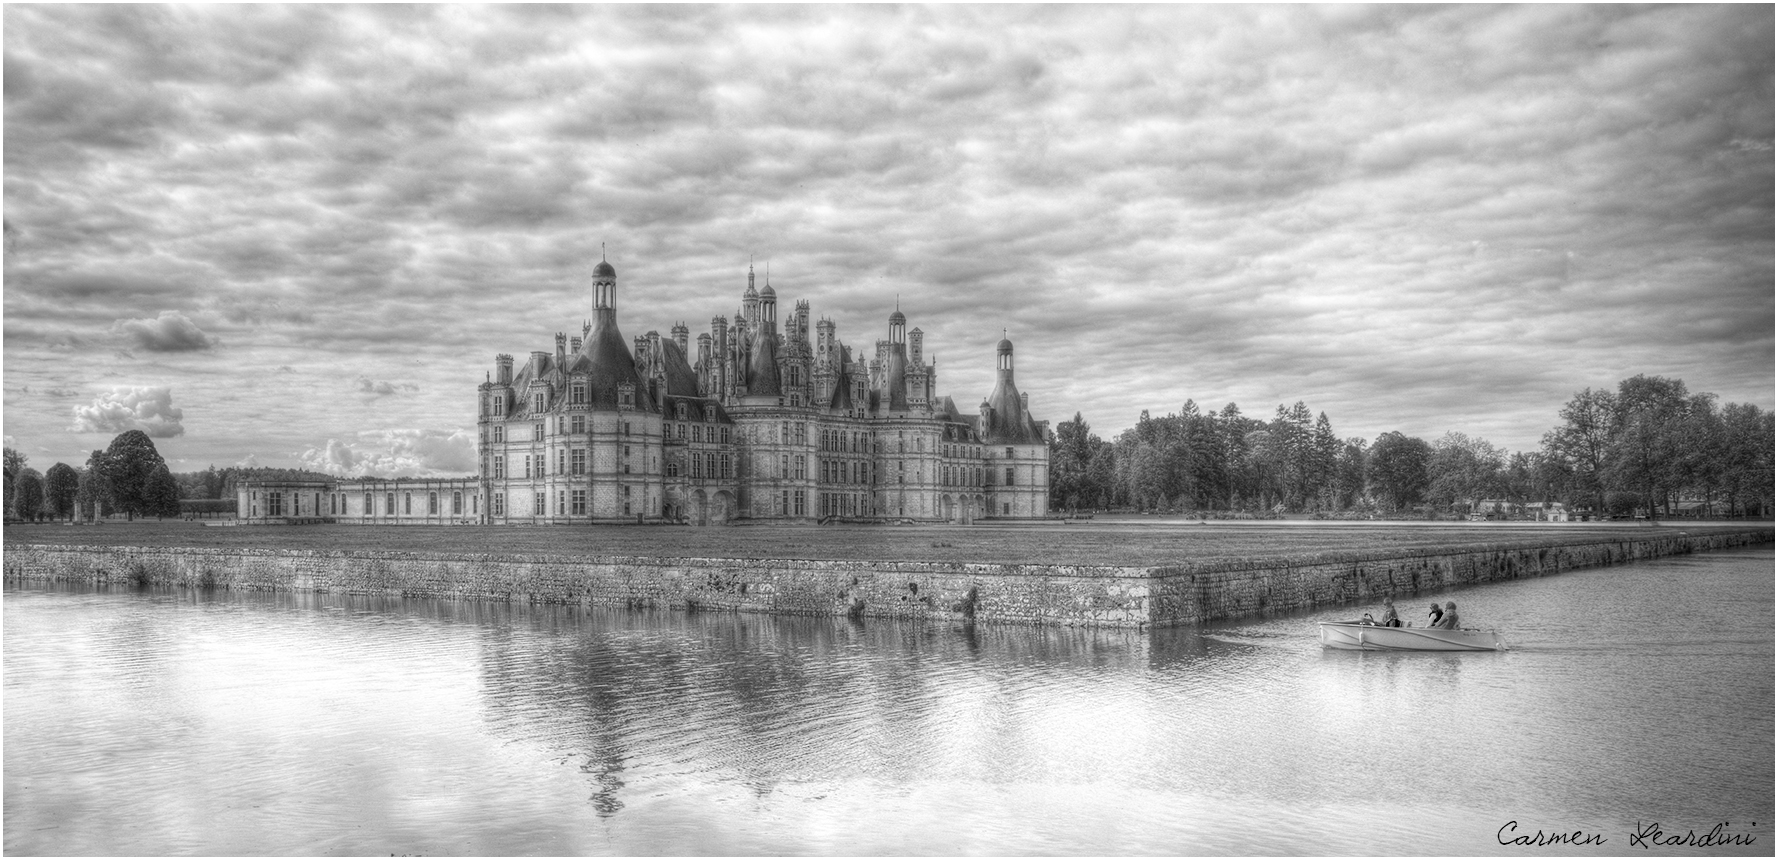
(1008, 423)
(682, 336)
(896, 378)
(503, 369)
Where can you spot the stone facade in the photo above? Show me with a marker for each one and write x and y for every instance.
(1023, 594)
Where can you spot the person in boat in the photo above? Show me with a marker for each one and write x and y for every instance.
(1389, 619)
(1433, 616)
(1449, 620)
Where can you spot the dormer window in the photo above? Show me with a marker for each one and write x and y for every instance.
(577, 394)
(682, 410)
(626, 396)
(539, 402)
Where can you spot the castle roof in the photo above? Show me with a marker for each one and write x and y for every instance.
(1008, 423)
(608, 364)
(762, 376)
(680, 378)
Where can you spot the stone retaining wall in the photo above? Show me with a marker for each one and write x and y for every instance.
(1020, 594)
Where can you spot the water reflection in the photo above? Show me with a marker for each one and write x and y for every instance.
(463, 727)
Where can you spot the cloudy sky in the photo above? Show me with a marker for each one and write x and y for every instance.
(298, 235)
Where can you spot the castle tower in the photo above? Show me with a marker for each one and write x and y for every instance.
(682, 336)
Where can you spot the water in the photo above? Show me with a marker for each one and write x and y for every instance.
(182, 722)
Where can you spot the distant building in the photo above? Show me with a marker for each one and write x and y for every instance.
(760, 425)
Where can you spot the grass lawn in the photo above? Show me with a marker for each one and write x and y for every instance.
(1142, 543)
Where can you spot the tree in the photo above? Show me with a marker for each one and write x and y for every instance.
(160, 494)
(1646, 434)
(1396, 469)
(1747, 456)
(1581, 446)
(1463, 470)
(127, 467)
(15, 463)
(27, 493)
(91, 494)
(60, 485)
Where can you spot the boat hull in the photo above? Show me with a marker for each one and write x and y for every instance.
(1353, 636)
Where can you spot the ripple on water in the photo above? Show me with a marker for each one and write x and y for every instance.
(178, 722)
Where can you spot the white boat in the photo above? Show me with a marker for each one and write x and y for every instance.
(1359, 636)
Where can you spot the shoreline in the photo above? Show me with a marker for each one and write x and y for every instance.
(1189, 592)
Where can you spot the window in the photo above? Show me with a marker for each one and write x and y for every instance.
(577, 424)
(407, 503)
(369, 505)
(673, 469)
(802, 466)
(626, 428)
(537, 431)
(801, 502)
(527, 465)
(561, 461)
(579, 501)
(1009, 453)
(783, 465)
(538, 500)
(389, 504)
(784, 432)
(680, 410)
(431, 503)
(725, 435)
(274, 504)
(499, 432)
(577, 393)
(577, 461)
(561, 503)
(499, 466)
(537, 402)
(457, 503)
(697, 433)
(1009, 476)
(1006, 508)
(500, 504)
(785, 503)
(626, 500)
(626, 398)
(332, 503)
(725, 471)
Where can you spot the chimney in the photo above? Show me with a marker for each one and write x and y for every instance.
(1025, 402)
(574, 344)
(503, 369)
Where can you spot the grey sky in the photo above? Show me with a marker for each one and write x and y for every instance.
(301, 233)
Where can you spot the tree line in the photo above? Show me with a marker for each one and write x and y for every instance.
(128, 477)
(1649, 445)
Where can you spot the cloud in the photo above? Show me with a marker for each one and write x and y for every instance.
(376, 388)
(1250, 203)
(146, 408)
(248, 462)
(395, 453)
(169, 332)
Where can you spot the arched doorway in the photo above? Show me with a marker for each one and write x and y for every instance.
(722, 506)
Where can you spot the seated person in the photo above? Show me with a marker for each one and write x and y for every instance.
(1449, 620)
(1433, 616)
(1389, 619)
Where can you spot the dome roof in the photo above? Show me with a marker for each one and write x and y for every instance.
(768, 293)
(897, 318)
(1003, 346)
(604, 270)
